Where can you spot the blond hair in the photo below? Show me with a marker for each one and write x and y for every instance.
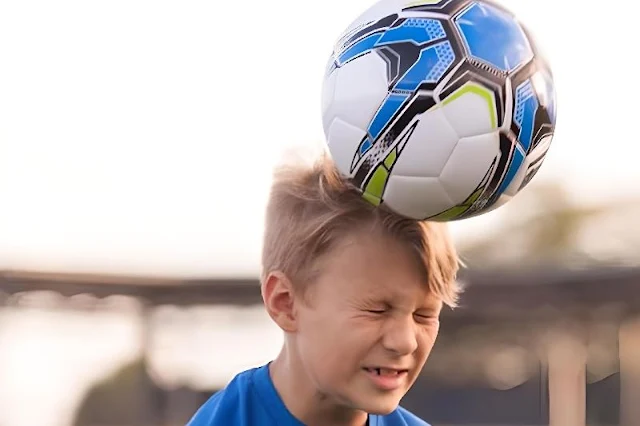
(312, 208)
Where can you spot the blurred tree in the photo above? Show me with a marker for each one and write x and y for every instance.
(544, 225)
(130, 397)
(127, 398)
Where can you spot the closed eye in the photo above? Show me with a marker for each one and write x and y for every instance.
(376, 311)
(426, 318)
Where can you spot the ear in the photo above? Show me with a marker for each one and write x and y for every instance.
(279, 299)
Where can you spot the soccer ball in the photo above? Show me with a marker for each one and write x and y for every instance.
(438, 110)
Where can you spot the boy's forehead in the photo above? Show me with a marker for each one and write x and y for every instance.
(380, 282)
(372, 261)
(396, 291)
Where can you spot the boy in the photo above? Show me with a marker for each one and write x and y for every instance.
(358, 293)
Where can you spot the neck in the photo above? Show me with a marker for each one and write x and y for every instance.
(304, 401)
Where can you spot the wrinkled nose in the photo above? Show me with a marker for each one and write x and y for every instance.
(401, 335)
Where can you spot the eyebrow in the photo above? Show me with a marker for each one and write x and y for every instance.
(430, 308)
(373, 299)
(432, 304)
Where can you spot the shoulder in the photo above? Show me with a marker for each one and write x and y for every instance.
(222, 407)
(400, 417)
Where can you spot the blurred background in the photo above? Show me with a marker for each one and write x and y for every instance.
(137, 139)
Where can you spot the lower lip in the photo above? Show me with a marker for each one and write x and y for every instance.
(387, 382)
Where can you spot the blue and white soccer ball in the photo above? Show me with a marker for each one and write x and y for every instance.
(438, 110)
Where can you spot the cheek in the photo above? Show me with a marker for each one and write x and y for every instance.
(432, 332)
(334, 345)
(318, 327)
(428, 339)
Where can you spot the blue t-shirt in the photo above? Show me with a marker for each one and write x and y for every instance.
(250, 399)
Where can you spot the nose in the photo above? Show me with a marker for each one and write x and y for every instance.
(400, 335)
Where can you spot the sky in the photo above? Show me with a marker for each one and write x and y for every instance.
(139, 136)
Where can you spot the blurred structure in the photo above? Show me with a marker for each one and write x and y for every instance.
(532, 347)
(548, 331)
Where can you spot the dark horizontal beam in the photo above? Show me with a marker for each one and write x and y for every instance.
(486, 292)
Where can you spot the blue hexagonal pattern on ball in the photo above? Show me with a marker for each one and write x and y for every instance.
(493, 36)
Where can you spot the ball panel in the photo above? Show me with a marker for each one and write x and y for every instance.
(426, 3)
(397, 135)
(449, 7)
(362, 82)
(471, 110)
(507, 109)
(375, 186)
(416, 197)
(472, 157)
(429, 147)
(360, 48)
(533, 162)
(414, 30)
(384, 115)
(431, 65)
(493, 36)
(343, 140)
(495, 87)
(327, 105)
(459, 210)
(499, 202)
(524, 113)
(357, 33)
(545, 90)
(512, 189)
(515, 164)
(534, 108)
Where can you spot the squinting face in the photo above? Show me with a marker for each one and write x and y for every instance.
(368, 327)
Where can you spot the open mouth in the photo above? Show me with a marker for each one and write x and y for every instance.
(389, 372)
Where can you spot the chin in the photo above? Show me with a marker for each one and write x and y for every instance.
(380, 405)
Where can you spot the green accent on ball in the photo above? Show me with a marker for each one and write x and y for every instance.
(457, 211)
(371, 199)
(378, 181)
(391, 159)
(477, 89)
(451, 214)
(375, 187)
